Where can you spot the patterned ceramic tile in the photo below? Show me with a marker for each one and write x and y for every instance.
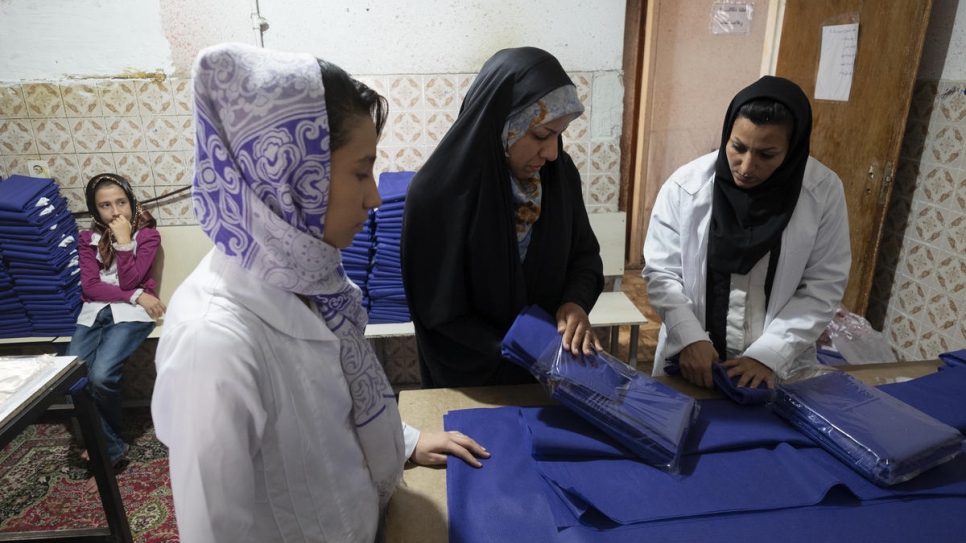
(924, 94)
(65, 169)
(402, 371)
(918, 263)
(912, 297)
(118, 98)
(181, 93)
(3, 169)
(952, 101)
(90, 135)
(77, 203)
(603, 190)
(407, 159)
(464, 82)
(943, 311)
(136, 168)
(376, 83)
(176, 210)
(53, 135)
(578, 130)
(947, 145)
(931, 344)
(164, 134)
(407, 129)
(17, 137)
(17, 165)
(155, 98)
(402, 347)
(144, 193)
(951, 275)
(169, 168)
(186, 125)
(605, 157)
(438, 124)
(126, 134)
(92, 164)
(903, 334)
(405, 93)
(585, 84)
(43, 100)
(929, 224)
(440, 92)
(383, 161)
(81, 100)
(578, 153)
(914, 140)
(12, 104)
(939, 186)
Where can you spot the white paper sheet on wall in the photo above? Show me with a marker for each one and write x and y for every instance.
(837, 62)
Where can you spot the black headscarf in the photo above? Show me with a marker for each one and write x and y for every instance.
(748, 223)
(460, 259)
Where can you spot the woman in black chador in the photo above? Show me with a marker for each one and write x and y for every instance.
(495, 221)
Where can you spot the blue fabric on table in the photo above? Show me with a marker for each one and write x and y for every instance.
(954, 358)
(728, 385)
(882, 438)
(18, 192)
(647, 417)
(937, 395)
(508, 501)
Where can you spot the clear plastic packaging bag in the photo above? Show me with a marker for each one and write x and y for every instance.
(850, 339)
(880, 437)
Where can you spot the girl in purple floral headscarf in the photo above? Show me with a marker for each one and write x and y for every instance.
(280, 421)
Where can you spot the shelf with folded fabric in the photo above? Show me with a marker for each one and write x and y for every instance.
(38, 248)
(384, 284)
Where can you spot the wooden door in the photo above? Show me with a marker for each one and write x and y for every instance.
(859, 139)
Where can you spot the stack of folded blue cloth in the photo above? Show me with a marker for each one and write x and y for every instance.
(880, 437)
(385, 287)
(357, 259)
(38, 245)
(13, 316)
(647, 417)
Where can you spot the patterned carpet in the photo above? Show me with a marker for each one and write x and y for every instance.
(42, 481)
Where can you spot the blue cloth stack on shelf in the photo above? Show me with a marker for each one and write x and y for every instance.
(388, 300)
(357, 259)
(38, 246)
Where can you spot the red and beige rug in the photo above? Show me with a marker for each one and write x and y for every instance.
(42, 481)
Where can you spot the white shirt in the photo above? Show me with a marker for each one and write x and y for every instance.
(810, 278)
(253, 404)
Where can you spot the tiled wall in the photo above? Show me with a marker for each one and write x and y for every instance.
(143, 130)
(919, 294)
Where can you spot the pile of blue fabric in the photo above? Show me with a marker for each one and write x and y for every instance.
(38, 246)
(647, 417)
(357, 259)
(728, 385)
(882, 438)
(384, 284)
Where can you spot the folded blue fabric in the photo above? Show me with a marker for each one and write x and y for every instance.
(393, 185)
(954, 358)
(18, 192)
(647, 417)
(509, 501)
(728, 385)
(937, 395)
(882, 438)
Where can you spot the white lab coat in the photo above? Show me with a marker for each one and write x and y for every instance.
(253, 404)
(810, 277)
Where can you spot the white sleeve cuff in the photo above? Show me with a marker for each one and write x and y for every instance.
(125, 247)
(134, 297)
(410, 437)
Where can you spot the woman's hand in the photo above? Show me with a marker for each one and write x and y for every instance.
(434, 447)
(695, 362)
(573, 323)
(152, 305)
(121, 228)
(752, 372)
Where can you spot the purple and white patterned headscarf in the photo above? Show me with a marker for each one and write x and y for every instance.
(260, 192)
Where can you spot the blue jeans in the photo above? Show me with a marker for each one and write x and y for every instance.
(105, 346)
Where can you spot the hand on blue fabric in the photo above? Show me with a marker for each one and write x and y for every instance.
(695, 363)
(433, 448)
(751, 372)
(574, 325)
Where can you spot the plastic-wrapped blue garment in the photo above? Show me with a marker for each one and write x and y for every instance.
(648, 417)
(728, 385)
(882, 438)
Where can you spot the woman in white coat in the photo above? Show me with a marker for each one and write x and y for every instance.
(280, 422)
(747, 253)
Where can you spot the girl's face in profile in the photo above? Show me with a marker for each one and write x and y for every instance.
(755, 151)
(112, 202)
(352, 187)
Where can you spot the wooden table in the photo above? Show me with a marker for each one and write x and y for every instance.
(418, 511)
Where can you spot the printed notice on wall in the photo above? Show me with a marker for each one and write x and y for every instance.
(837, 63)
(729, 18)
